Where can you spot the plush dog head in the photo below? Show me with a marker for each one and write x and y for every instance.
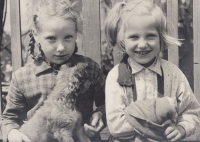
(71, 81)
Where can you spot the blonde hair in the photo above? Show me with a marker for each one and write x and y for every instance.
(116, 22)
(42, 9)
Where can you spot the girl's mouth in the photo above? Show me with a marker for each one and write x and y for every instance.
(142, 52)
(60, 56)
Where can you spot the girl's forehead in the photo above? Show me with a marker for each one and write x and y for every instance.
(56, 23)
(54, 18)
(139, 19)
(47, 20)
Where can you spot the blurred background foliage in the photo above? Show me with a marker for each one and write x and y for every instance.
(185, 27)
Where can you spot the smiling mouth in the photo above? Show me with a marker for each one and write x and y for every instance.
(142, 52)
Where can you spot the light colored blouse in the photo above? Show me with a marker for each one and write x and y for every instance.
(175, 86)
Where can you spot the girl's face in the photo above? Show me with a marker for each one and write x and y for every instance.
(142, 41)
(57, 38)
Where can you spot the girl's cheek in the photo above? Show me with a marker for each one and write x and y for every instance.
(153, 44)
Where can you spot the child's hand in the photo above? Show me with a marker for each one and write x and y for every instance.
(96, 124)
(173, 132)
(16, 136)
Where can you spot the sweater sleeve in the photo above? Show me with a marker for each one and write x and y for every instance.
(118, 125)
(188, 107)
(15, 108)
(98, 87)
(99, 97)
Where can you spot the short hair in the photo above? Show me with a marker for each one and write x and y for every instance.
(41, 9)
(116, 21)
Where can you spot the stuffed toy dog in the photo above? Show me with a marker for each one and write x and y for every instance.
(58, 120)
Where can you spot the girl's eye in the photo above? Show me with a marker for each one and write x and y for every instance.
(134, 37)
(152, 36)
(51, 38)
(68, 37)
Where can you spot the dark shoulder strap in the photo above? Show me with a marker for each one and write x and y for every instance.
(160, 81)
(134, 88)
(125, 74)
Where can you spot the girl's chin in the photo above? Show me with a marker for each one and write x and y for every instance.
(58, 61)
(143, 62)
(147, 63)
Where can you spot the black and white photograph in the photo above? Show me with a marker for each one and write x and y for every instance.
(100, 70)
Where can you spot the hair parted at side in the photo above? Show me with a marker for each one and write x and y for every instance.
(116, 22)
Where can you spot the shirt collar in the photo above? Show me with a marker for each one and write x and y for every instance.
(155, 67)
(41, 66)
(128, 68)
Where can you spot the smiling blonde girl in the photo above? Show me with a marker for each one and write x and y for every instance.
(143, 80)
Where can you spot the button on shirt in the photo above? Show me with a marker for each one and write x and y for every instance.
(118, 96)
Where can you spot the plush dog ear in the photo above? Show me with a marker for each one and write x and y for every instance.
(166, 109)
(79, 72)
(72, 79)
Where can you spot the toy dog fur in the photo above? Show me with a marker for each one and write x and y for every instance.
(57, 120)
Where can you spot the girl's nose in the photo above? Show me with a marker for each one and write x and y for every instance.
(142, 43)
(60, 47)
